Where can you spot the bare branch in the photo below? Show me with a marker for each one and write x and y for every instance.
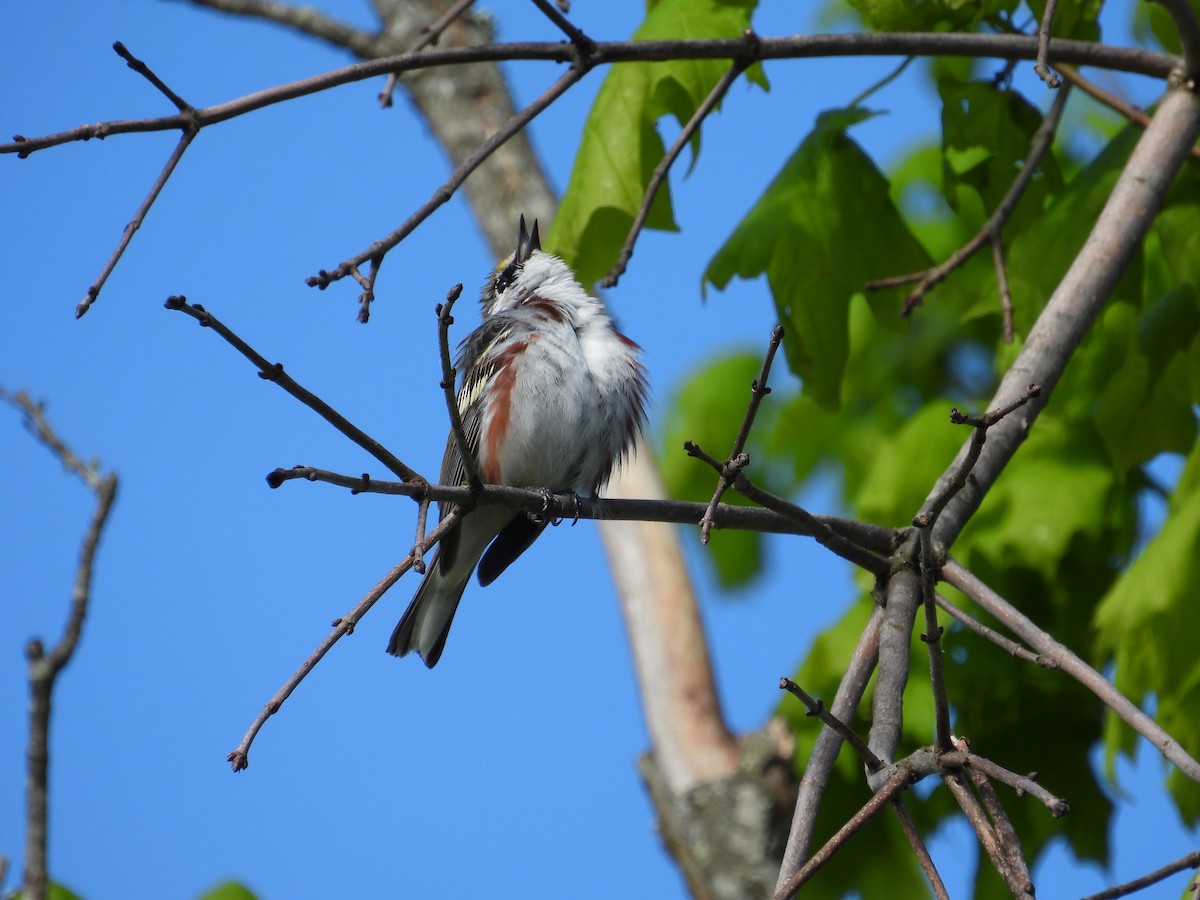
(933, 640)
(304, 19)
(429, 37)
(612, 509)
(900, 779)
(274, 372)
(817, 709)
(737, 460)
(240, 758)
(887, 702)
(574, 35)
(1190, 861)
(1022, 784)
(1100, 95)
(1007, 329)
(811, 525)
(988, 838)
(1008, 646)
(954, 573)
(825, 750)
(919, 848)
(1039, 144)
(1118, 233)
(45, 667)
(1001, 46)
(379, 248)
(1188, 26)
(190, 128)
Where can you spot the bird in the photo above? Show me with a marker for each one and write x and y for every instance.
(552, 396)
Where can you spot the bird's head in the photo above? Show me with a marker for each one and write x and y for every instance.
(530, 274)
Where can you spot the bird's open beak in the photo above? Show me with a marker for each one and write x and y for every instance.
(527, 242)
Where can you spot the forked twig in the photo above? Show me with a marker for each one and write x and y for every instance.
(738, 460)
(429, 37)
(191, 127)
(926, 280)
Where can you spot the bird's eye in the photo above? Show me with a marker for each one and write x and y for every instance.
(506, 277)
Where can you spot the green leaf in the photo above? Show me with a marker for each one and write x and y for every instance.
(621, 146)
(986, 133)
(825, 225)
(1146, 407)
(907, 462)
(1078, 20)
(1148, 622)
(228, 890)
(930, 15)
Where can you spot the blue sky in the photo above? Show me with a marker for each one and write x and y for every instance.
(509, 768)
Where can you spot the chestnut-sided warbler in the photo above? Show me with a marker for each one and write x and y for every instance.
(553, 397)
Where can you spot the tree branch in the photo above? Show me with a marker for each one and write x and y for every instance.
(240, 758)
(45, 667)
(1119, 230)
(1190, 861)
(825, 749)
(274, 372)
(1039, 144)
(737, 460)
(1000, 46)
(954, 573)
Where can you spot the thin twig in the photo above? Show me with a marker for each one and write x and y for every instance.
(970, 584)
(986, 834)
(1188, 26)
(1006, 835)
(240, 758)
(827, 536)
(418, 541)
(1100, 95)
(926, 280)
(445, 320)
(1007, 328)
(659, 175)
(817, 709)
(1043, 36)
(919, 849)
(274, 372)
(933, 640)
(45, 667)
(825, 749)
(1008, 645)
(574, 34)
(900, 779)
(191, 127)
(928, 516)
(1022, 784)
(429, 37)
(737, 460)
(379, 248)
(1190, 861)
